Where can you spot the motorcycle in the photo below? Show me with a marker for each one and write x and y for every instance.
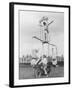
(39, 70)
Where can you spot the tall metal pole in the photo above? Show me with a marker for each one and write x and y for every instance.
(48, 44)
(42, 51)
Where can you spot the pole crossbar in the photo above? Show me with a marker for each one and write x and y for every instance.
(44, 41)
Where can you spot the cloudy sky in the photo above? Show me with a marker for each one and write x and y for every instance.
(29, 26)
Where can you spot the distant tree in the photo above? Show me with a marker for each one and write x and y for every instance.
(35, 53)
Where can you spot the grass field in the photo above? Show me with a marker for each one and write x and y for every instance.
(26, 72)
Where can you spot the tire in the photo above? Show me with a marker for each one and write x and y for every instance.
(39, 72)
(48, 69)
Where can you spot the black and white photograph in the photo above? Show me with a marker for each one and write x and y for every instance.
(41, 44)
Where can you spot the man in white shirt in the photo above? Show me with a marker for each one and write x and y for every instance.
(44, 62)
(40, 60)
